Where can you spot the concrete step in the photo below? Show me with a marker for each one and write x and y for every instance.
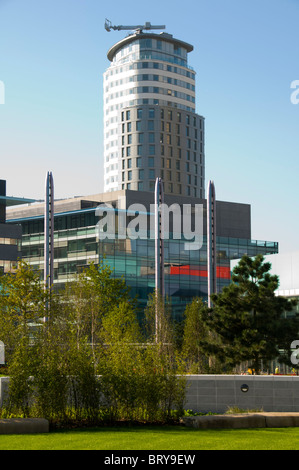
(24, 426)
(243, 420)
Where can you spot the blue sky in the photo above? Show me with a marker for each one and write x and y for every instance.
(52, 59)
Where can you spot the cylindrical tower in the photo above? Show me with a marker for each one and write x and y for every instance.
(151, 129)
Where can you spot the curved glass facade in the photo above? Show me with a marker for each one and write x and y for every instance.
(76, 246)
(146, 69)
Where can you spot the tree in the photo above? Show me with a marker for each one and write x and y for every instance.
(23, 303)
(195, 331)
(94, 293)
(248, 317)
(158, 325)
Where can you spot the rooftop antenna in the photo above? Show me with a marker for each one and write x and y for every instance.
(147, 26)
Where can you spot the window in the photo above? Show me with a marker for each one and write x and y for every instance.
(151, 113)
(151, 174)
(129, 163)
(139, 113)
(140, 138)
(139, 149)
(138, 125)
(168, 163)
(140, 186)
(150, 125)
(151, 137)
(138, 162)
(128, 151)
(129, 175)
(129, 126)
(129, 139)
(151, 149)
(151, 161)
(141, 174)
(128, 115)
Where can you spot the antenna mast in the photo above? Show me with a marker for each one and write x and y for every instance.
(147, 26)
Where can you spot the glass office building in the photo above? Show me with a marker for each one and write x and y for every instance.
(10, 234)
(76, 245)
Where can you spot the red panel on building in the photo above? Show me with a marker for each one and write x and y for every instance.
(223, 272)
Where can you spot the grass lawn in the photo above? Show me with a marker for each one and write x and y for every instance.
(156, 438)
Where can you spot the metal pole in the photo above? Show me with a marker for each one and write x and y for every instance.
(211, 241)
(159, 248)
(49, 232)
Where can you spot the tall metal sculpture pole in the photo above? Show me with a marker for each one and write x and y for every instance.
(159, 247)
(49, 232)
(211, 241)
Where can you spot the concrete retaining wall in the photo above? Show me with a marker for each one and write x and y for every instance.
(243, 421)
(216, 393)
(24, 426)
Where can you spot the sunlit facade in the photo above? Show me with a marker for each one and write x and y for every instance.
(151, 128)
(76, 245)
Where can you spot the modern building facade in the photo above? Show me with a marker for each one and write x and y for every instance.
(76, 244)
(151, 128)
(10, 234)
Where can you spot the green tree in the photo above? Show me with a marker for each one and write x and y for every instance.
(90, 297)
(195, 331)
(248, 317)
(23, 306)
(159, 328)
